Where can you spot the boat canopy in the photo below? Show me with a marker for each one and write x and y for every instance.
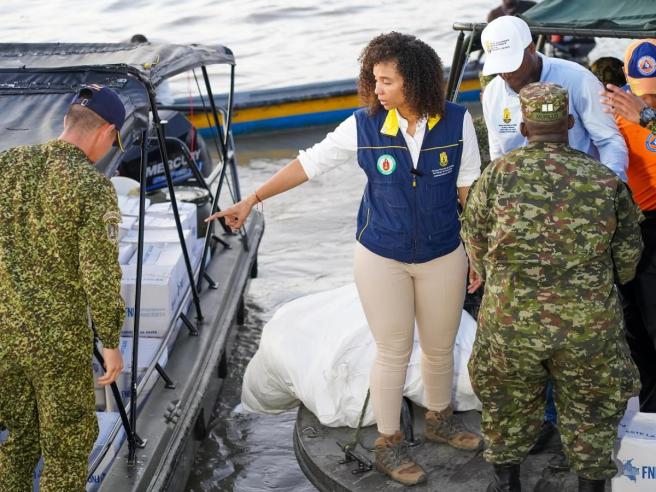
(620, 15)
(37, 82)
(154, 61)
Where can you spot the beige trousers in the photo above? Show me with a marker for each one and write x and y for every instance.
(393, 294)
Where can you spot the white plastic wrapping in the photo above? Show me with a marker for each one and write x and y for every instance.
(319, 350)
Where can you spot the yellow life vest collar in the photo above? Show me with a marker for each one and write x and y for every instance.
(391, 124)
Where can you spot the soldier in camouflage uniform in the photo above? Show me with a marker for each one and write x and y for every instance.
(58, 258)
(481, 128)
(550, 230)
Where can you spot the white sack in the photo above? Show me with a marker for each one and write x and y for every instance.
(319, 350)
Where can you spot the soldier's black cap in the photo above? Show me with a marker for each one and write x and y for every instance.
(104, 102)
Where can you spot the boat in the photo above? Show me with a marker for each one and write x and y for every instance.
(161, 414)
(297, 107)
(339, 459)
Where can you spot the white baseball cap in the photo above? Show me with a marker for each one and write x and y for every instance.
(504, 40)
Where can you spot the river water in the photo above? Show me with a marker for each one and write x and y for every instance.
(276, 43)
(307, 247)
(309, 238)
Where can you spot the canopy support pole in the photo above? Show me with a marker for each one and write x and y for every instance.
(224, 137)
(455, 67)
(132, 450)
(174, 203)
(134, 441)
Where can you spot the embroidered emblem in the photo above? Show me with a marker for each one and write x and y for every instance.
(112, 220)
(647, 65)
(506, 115)
(444, 159)
(386, 164)
(488, 46)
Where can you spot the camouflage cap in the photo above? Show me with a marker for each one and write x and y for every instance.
(543, 102)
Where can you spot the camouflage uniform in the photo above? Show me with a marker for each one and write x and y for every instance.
(551, 229)
(58, 254)
(483, 141)
(480, 127)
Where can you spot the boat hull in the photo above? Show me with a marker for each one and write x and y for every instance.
(176, 421)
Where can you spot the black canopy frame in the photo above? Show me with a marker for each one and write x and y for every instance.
(45, 70)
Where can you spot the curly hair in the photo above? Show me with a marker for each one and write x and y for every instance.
(418, 64)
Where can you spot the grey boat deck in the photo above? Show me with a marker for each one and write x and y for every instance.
(448, 469)
(175, 421)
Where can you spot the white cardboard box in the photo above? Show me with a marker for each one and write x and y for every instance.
(168, 236)
(98, 371)
(148, 348)
(127, 221)
(125, 252)
(159, 222)
(187, 211)
(635, 451)
(164, 280)
(129, 205)
(162, 290)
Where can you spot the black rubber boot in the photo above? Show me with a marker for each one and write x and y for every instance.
(547, 431)
(587, 485)
(506, 479)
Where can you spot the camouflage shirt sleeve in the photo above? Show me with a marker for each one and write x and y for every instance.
(99, 267)
(626, 245)
(475, 223)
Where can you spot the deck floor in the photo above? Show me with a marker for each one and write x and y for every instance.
(448, 469)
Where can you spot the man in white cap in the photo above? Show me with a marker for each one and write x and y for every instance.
(510, 53)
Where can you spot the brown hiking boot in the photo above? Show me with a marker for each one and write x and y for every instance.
(445, 427)
(392, 459)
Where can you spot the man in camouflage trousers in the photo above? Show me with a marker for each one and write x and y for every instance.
(550, 230)
(58, 258)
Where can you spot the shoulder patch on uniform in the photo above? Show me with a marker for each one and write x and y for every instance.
(112, 217)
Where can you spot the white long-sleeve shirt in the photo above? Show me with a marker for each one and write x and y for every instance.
(341, 146)
(593, 130)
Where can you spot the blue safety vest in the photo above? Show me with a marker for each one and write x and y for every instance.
(406, 214)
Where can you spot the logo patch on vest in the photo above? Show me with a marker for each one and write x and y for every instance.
(444, 159)
(650, 143)
(506, 115)
(386, 164)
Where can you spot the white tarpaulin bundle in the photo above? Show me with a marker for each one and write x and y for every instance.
(318, 350)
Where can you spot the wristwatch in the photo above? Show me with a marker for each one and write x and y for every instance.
(647, 115)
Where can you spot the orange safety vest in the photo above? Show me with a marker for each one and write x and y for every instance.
(642, 162)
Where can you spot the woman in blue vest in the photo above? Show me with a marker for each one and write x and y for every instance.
(420, 156)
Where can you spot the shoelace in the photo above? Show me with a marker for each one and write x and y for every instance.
(455, 424)
(396, 455)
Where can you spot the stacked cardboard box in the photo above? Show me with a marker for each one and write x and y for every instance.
(148, 348)
(129, 205)
(164, 280)
(635, 451)
(98, 371)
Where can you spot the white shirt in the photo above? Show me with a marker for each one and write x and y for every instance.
(341, 146)
(594, 130)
